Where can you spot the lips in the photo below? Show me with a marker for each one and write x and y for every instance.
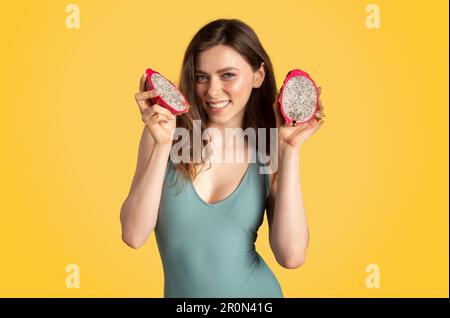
(221, 104)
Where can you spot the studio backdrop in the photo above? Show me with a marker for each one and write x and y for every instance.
(374, 179)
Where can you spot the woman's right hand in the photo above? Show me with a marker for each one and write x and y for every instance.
(159, 121)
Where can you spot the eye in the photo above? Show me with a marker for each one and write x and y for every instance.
(230, 75)
(199, 78)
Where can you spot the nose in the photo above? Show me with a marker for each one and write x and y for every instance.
(215, 88)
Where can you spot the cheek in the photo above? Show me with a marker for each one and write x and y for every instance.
(240, 88)
(199, 90)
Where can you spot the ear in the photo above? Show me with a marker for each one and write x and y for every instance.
(259, 76)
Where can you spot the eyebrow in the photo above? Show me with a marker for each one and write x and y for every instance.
(220, 71)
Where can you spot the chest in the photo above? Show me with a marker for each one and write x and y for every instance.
(229, 200)
(217, 181)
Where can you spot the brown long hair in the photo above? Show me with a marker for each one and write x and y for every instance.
(259, 111)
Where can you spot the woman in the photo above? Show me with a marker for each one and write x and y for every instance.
(206, 230)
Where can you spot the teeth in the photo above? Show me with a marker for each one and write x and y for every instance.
(218, 105)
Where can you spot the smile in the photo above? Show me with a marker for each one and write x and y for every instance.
(219, 105)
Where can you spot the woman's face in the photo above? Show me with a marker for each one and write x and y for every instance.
(223, 82)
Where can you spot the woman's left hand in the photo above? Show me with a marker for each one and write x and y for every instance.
(292, 138)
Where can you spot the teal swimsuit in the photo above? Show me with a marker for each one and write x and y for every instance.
(207, 250)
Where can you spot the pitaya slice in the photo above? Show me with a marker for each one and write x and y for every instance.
(298, 97)
(169, 96)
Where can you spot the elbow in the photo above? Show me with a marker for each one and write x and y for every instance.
(290, 257)
(132, 242)
(293, 259)
(132, 236)
(293, 262)
(135, 238)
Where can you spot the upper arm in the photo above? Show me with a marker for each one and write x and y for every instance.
(145, 148)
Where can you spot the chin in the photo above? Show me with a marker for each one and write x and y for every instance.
(220, 120)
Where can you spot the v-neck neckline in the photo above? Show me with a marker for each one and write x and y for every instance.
(228, 197)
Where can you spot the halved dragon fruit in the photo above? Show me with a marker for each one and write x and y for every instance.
(169, 96)
(298, 97)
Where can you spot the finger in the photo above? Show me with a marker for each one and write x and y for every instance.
(163, 111)
(147, 114)
(153, 111)
(301, 128)
(319, 91)
(146, 94)
(152, 117)
(320, 105)
(142, 97)
(317, 123)
(320, 114)
(157, 118)
(298, 131)
(142, 82)
(314, 122)
(142, 105)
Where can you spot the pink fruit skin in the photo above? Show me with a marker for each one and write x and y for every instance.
(291, 74)
(158, 100)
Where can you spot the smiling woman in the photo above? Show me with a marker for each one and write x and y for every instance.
(224, 206)
(228, 78)
(206, 232)
(225, 91)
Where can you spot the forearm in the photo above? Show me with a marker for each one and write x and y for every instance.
(289, 234)
(139, 211)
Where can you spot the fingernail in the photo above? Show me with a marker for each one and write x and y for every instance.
(155, 91)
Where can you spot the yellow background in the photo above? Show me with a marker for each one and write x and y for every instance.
(374, 178)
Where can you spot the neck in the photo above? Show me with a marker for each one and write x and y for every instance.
(225, 135)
